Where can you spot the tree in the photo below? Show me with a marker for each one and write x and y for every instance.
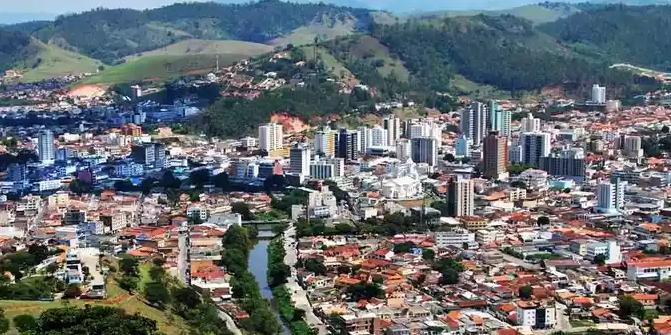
(128, 265)
(630, 307)
(156, 273)
(428, 255)
(404, 247)
(80, 187)
(221, 181)
(450, 158)
(186, 297)
(25, 324)
(242, 209)
(519, 184)
(156, 293)
(365, 291)
(128, 283)
(315, 266)
(105, 320)
(72, 291)
(599, 259)
(168, 180)
(4, 323)
(199, 177)
(665, 129)
(543, 221)
(449, 277)
(525, 292)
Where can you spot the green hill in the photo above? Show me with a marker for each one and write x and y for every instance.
(206, 47)
(622, 34)
(50, 61)
(537, 14)
(110, 35)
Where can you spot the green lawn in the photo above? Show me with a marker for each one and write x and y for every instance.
(51, 61)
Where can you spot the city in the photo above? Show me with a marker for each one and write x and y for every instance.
(297, 191)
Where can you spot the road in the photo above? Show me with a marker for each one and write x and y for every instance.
(230, 324)
(519, 262)
(298, 294)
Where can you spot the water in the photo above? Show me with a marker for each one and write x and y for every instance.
(258, 266)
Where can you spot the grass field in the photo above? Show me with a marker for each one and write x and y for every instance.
(369, 47)
(167, 322)
(51, 61)
(467, 87)
(191, 56)
(324, 31)
(537, 14)
(331, 63)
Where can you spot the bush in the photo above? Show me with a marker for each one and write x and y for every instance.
(25, 323)
(72, 291)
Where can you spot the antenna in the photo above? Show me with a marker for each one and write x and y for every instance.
(217, 63)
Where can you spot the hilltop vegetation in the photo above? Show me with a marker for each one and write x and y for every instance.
(637, 35)
(13, 45)
(109, 35)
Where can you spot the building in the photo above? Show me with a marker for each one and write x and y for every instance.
(574, 168)
(632, 147)
(460, 198)
(462, 147)
(149, 154)
(401, 188)
(610, 196)
(45, 147)
(329, 168)
(610, 250)
(536, 315)
(299, 160)
(325, 142)
(474, 123)
(530, 124)
(424, 150)
(500, 120)
(347, 145)
(495, 152)
(534, 146)
(392, 124)
(454, 238)
(598, 94)
(271, 137)
(403, 149)
(655, 269)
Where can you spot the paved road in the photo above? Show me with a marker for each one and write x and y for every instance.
(230, 324)
(298, 294)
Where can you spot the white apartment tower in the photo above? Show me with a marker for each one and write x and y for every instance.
(598, 94)
(530, 124)
(393, 126)
(45, 147)
(474, 123)
(271, 137)
(610, 196)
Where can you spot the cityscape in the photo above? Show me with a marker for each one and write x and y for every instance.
(299, 186)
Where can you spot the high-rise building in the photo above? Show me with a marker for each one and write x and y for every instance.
(329, 168)
(462, 147)
(501, 122)
(403, 149)
(347, 145)
(299, 160)
(325, 142)
(574, 168)
(534, 146)
(45, 147)
(495, 152)
(149, 154)
(474, 123)
(271, 137)
(598, 94)
(393, 126)
(515, 154)
(460, 198)
(530, 124)
(632, 147)
(610, 196)
(424, 150)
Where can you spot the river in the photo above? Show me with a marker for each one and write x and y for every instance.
(258, 266)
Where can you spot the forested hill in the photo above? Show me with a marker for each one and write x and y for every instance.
(503, 51)
(109, 35)
(637, 35)
(13, 46)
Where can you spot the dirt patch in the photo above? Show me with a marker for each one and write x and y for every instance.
(88, 91)
(291, 124)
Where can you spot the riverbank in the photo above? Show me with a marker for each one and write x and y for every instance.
(278, 272)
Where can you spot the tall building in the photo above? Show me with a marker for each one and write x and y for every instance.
(530, 124)
(460, 198)
(347, 145)
(403, 149)
(462, 148)
(325, 142)
(598, 94)
(610, 196)
(574, 168)
(501, 122)
(495, 152)
(393, 126)
(149, 154)
(534, 146)
(632, 147)
(299, 160)
(424, 150)
(45, 147)
(271, 137)
(474, 123)
(329, 168)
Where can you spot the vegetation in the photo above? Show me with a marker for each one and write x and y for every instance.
(237, 244)
(278, 272)
(449, 269)
(93, 319)
(630, 307)
(291, 315)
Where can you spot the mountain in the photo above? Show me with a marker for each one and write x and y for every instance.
(536, 13)
(109, 35)
(622, 34)
(504, 51)
(13, 47)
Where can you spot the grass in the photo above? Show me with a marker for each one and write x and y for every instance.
(167, 322)
(537, 14)
(582, 323)
(207, 47)
(370, 48)
(465, 86)
(161, 68)
(331, 64)
(51, 61)
(324, 31)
